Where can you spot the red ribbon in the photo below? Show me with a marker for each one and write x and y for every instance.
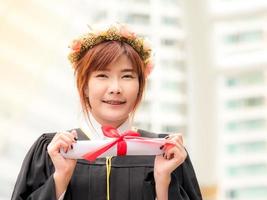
(111, 132)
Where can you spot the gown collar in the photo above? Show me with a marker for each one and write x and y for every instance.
(93, 129)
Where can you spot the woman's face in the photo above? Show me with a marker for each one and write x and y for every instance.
(113, 92)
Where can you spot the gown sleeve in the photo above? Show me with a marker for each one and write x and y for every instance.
(35, 180)
(184, 184)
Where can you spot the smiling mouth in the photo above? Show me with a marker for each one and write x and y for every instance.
(114, 102)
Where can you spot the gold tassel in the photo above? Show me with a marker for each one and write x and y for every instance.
(108, 167)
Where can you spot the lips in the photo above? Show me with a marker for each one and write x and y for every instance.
(114, 102)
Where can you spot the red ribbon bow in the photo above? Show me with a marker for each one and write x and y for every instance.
(111, 132)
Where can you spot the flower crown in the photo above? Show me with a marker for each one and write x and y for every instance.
(114, 33)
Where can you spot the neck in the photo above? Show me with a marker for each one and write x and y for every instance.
(114, 124)
(93, 127)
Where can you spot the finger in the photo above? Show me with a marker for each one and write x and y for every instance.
(176, 137)
(180, 156)
(177, 146)
(55, 138)
(165, 156)
(54, 149)
(175, 151)
(170, 144)
(67, 137)
(74, 134)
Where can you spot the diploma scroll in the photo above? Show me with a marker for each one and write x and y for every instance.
(147, 146)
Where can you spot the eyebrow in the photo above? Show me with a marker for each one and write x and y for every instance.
(128, 70)
(123, 70)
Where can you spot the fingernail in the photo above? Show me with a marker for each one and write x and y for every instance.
(71, 146)
(161, 147)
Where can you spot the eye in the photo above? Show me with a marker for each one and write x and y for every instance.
(101, 76)
(128, 76)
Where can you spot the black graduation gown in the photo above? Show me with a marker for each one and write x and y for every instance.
(131, 177)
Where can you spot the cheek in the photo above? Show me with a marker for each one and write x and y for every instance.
(93, 91)
(133, 90)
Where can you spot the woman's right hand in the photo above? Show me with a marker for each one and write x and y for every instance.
(64, 167)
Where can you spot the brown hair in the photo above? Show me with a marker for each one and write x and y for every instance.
(98, 58)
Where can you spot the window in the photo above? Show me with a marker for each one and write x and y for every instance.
(253, 124)
(251, 169)
(173, 86)
(244, 148)
(250, 102)
(170, 43)
(248, 78)
(248, 193)
(173, 65)
(170, 21)
(168, 107)
(241, 37)
(143, 19)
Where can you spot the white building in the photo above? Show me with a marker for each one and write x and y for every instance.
(241, 63)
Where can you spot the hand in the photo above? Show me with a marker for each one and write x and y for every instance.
(62, 140)
(165, 164)
(63, 167)
(173, 157)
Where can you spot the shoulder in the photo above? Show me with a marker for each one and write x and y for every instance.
(43, 140)
(40, 144)
(47, 137)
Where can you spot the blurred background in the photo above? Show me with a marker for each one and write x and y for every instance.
(209, 82)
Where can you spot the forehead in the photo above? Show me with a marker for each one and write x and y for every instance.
(123, 62)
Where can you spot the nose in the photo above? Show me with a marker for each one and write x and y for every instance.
(115, 87)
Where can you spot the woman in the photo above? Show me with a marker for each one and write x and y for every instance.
(111, 68)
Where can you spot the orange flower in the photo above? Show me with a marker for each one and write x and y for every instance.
(127, 33)
(76, 45)
(149, 68)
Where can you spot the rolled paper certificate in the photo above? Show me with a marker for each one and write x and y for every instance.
(135, 146)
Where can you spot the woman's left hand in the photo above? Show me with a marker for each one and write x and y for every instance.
(173, 157)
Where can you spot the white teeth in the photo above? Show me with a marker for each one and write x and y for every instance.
(114, 102)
